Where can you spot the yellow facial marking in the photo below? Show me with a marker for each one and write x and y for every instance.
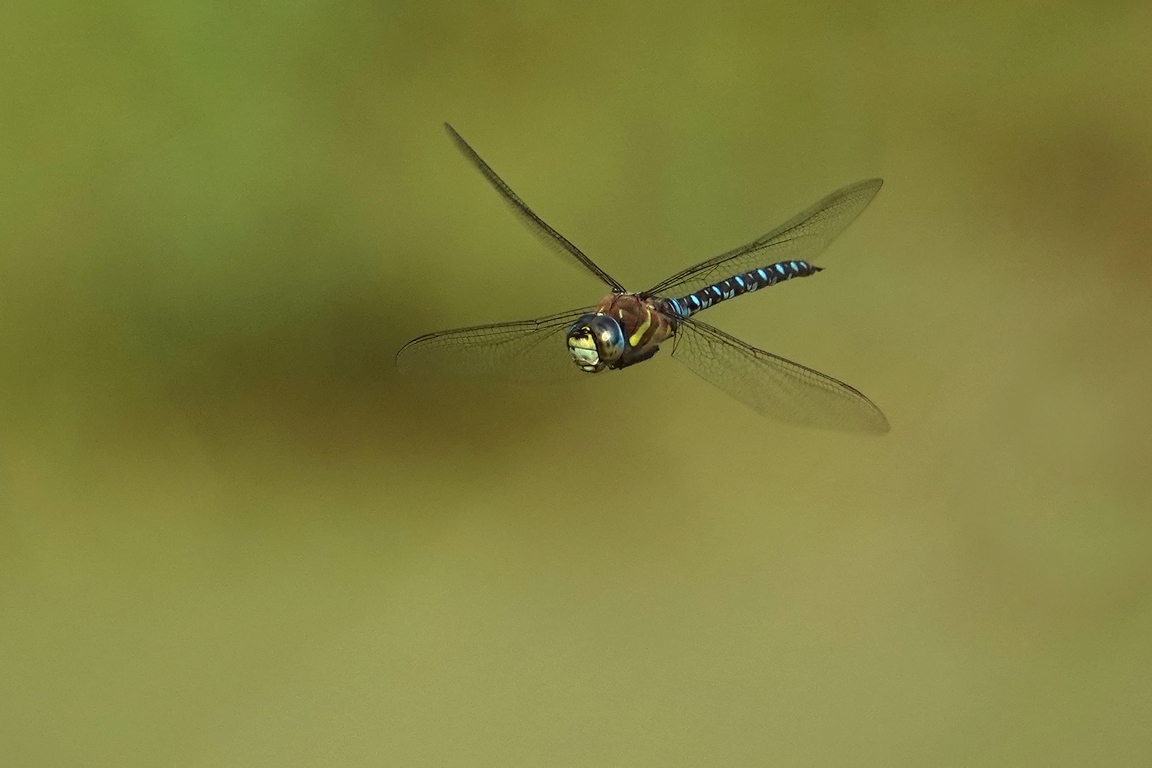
(581, 342)
(584, 353)
(634, 339)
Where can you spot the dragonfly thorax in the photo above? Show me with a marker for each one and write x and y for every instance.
(595, 342)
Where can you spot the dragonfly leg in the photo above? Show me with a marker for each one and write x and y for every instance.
(633, 356)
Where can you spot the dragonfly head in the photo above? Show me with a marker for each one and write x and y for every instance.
(595, 342)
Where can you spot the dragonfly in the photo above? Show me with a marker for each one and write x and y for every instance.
(626, 328)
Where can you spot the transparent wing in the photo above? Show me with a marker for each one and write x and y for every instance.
(773, 386)
(550, 237)
(802, 237)
(528, 351)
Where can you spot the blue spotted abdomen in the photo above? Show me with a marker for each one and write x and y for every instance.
(740, 284)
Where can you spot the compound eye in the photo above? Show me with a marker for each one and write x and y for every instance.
(609, 337)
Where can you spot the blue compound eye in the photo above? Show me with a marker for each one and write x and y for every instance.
(595, 341)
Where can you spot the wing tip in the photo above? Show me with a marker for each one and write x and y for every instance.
(881, 427)
(402, 359)
(873, 185)
(398, 360)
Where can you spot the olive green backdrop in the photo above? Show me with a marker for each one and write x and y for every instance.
(231, 535)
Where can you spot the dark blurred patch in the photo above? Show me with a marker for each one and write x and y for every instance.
(1080, 176)
(328, 380)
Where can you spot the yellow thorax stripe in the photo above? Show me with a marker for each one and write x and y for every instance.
(634, 339)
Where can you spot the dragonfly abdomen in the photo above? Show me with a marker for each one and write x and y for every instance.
(737, 285)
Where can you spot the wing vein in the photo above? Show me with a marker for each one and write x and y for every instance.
(550, 237)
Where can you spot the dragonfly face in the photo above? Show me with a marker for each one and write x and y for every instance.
(595, 342)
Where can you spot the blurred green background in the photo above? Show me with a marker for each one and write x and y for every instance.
(231, 535)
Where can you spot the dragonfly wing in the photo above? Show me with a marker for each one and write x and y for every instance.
(550, 237)
(777, 388)
(528, 351)
(801, 238)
